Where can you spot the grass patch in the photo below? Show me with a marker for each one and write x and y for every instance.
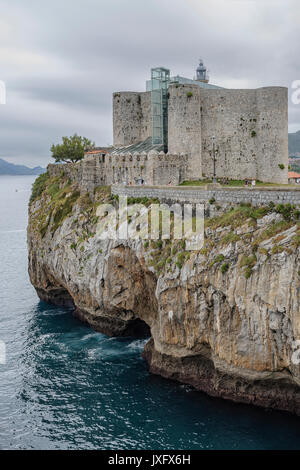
(142, 200)
(64, 210)
(263, 251)
(237, 216)
(230, 237)
(217, 259)
(273, 230)
(224, 268)
(58, 196)
(277, 249)
(296, 241)
(53, 189)
(288, 211)
(248, 262)
(102, 190)
(196, 183)
(39, 186)
(225, 184)
(181, 258)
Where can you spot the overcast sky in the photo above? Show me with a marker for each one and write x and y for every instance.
(61, 60)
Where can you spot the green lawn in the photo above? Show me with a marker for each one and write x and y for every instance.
(231, 183)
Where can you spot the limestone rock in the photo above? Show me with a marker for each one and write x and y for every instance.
(224, 330)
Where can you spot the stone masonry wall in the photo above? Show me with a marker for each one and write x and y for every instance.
(71, 170)
(250, 129)
(251, 133)
(146, 120)
(184, 125)
(132, 121)
(98, 170)
(272, 133)
(225, 197)
(230, 116)
(92, 172)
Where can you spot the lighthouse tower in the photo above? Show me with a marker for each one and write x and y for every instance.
(201, 72)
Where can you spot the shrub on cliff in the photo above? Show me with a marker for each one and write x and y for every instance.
(288, 211)
(72, 149)
(38, 186)
(224, 268)
(64, 209)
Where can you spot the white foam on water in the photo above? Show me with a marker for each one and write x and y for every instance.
(137, 345)
(93, 353)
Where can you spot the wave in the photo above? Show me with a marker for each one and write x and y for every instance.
(137, 345)
(13, 231)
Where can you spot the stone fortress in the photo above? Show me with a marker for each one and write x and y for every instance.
(173, 131)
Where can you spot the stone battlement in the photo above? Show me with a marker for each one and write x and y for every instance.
(105, 170)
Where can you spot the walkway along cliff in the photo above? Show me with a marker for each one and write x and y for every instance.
(225, 319)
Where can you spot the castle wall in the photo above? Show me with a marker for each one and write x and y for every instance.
(251, 133)
(230, 116)
(272, 106)
(184, 125)
(105, 170)
(127, 115)
(125, 168)
(146, 119)
(250, 129)
(72, 171)
(153, 168)
(132, 121)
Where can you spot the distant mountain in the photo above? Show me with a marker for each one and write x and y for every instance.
(294, 143)
(11, 169)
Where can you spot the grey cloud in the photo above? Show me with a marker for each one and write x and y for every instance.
(72, 92)
(64, 59)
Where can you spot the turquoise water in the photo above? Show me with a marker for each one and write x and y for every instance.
(65, 386)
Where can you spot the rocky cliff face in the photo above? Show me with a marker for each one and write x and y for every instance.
(223, 319)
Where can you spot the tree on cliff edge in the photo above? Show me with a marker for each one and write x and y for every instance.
(72, 149)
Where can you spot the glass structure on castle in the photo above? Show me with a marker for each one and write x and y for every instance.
(158, 85)
(160, 79)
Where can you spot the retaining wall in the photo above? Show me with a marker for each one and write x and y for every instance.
(224, 197)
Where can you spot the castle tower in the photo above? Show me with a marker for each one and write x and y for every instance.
(184, 125)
